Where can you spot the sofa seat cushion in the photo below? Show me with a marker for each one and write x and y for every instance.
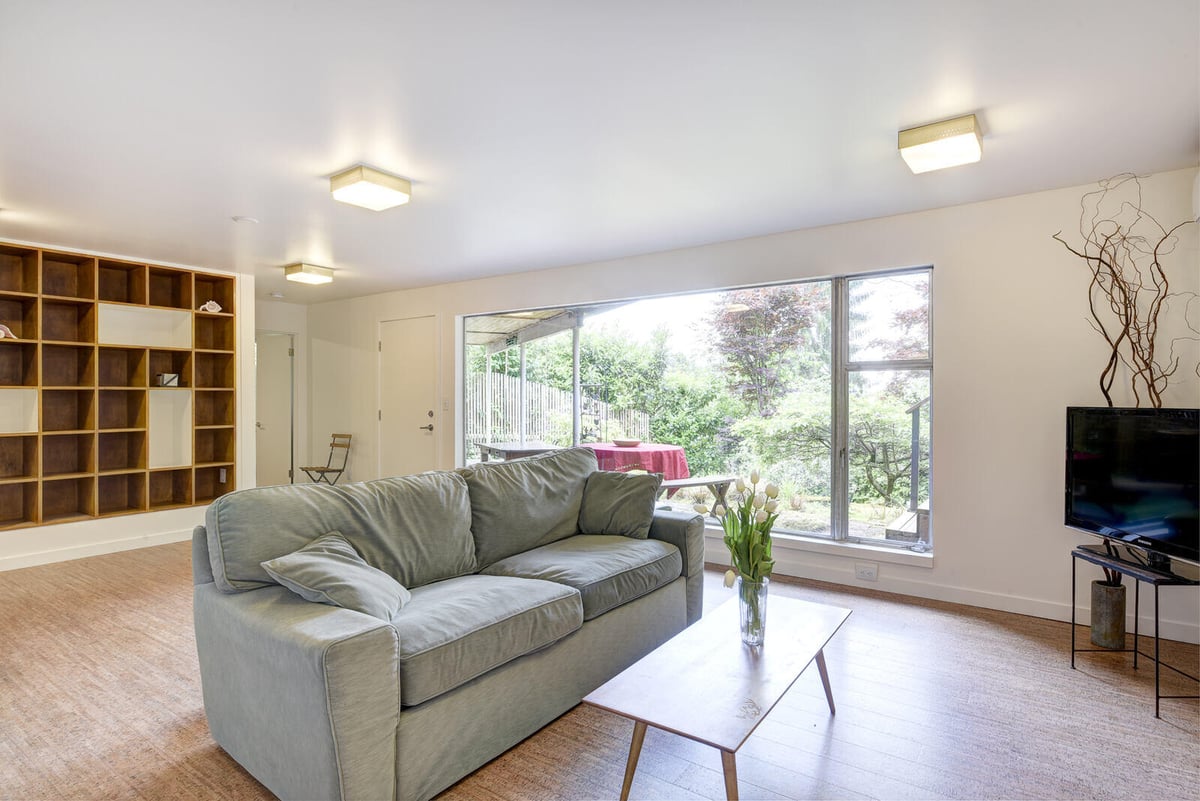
(452, 631)
(608, 570)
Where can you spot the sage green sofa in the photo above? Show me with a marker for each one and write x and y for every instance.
(509, 607)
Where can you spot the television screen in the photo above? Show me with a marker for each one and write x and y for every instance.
(1133, 475)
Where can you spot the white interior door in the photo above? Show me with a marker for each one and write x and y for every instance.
(273, 354)
(409, 418)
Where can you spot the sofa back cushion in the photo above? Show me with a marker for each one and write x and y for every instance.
(519, 505)
(619, 503)
(416, 529)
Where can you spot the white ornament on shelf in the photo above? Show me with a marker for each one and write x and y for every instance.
(211, 306)
(5, 331)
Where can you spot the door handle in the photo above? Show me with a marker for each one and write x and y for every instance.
(426, 428)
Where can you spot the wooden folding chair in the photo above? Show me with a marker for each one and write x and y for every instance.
(328, 473)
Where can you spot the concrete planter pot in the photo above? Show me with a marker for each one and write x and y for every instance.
(1108, 615)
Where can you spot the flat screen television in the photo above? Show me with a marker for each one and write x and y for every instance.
(1133, 476)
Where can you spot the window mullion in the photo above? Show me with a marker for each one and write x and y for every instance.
(839, 501)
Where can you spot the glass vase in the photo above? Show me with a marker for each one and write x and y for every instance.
(752, 599)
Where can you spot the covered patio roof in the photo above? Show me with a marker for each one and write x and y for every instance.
(499, 332)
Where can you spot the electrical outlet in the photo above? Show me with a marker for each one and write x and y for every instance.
(867, 571)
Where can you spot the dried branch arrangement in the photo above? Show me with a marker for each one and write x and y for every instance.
(1123, 247)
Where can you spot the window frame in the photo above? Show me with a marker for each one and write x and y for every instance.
(842, 367)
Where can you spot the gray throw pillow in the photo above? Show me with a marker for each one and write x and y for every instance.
(619, 503)
(329, 571)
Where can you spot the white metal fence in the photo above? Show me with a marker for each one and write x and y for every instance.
(493, 411)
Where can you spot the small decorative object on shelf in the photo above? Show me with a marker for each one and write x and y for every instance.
(211, 306)
(168, 379)
(6, 332)
(747, 523)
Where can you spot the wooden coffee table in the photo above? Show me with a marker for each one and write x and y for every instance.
(706, 685)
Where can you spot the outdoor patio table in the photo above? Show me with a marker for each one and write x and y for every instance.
(649, 456)
(512, 450)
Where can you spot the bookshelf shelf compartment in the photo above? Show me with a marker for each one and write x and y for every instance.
(18, 364)
(18, 411)
(121, 451)
(89, 426)
(215, 408)
(68, 454)
(19, 313)
(215, 331)
(170, 488)
(18, 457)
(122, 367)
(121, 493)
(66, 499)
(209, 484)
(170, 288)
(69, 275)
(144, 327)
(214, 370)
(68, 410)
(120, 282)
(122, 408)
(214, 287)
(178, 362)
(170, 428)
(18, 504)
(68, 366)
(18, 269)
(68, 321)
(214, 446)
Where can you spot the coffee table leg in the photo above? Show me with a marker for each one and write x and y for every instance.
(729, 764)
(825, 680)
(635, 750)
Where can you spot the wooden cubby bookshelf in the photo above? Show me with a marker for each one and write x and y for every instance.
(117, 395)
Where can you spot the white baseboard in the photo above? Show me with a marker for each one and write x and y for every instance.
(64, 554)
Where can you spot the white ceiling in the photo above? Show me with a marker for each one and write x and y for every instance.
(539, 134)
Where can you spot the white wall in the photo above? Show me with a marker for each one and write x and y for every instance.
(292, 318)
(1012, 349)
(37, 545)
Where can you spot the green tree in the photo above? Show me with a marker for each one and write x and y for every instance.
(761, 335)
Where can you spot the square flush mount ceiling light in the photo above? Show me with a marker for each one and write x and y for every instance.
(308, 274)
(948, 143)
(370, 188)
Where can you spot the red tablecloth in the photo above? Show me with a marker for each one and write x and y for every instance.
(649, 456)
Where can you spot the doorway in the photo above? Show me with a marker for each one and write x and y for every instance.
(409, 417)
(274, 357)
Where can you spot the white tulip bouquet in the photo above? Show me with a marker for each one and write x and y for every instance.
(747, 523)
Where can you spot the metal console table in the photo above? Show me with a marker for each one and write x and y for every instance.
(1139, 573)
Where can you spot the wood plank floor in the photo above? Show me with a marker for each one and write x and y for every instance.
(100, 698)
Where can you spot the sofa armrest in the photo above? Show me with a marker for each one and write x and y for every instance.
(305, 696)
(685, 530)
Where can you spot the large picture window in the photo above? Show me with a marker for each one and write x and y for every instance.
(824, 386)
